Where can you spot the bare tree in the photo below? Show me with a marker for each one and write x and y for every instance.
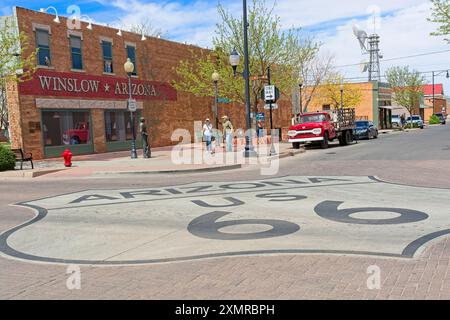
(314, 71)
(145, 27)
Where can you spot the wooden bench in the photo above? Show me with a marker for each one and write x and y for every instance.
(23, 157)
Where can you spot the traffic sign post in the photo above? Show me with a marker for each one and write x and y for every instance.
(261, 116)
(132, 105)
(269, 93)
(223, 100)
(274, 106)
(270, 96)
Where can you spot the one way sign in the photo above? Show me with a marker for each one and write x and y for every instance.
(269, 93)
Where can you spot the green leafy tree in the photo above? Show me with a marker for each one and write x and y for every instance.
(285, 52)
(331, 92)
(15, 64)
(440, 14)
(407, 86)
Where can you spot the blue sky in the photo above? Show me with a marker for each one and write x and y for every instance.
(402, 24)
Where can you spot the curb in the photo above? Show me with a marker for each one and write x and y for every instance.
(214, 169)
(27, 174)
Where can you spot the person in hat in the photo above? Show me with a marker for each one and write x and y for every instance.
(228, 133)
(144, 135)
(207, 134)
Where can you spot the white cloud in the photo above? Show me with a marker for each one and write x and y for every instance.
(302, 13)
(405, 33)
(191, 22)
(404, 26)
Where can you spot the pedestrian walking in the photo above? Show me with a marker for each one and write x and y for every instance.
(228, 133)
(403, 121)
(260, 131)
(207, 135)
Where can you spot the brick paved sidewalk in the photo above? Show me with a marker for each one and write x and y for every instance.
(194, 157)
(269, 277)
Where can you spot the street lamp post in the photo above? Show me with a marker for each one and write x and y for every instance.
(436, 73)
(215, 78)
(129, 69)
(234, 61)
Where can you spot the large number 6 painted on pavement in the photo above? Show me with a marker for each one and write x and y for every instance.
(330, 210)
(207, 227)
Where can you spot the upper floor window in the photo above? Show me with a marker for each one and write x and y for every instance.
(107, 57)
(43, 45)
(131, 53)
(75, 48)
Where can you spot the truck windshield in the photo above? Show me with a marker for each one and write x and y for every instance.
(313, 118)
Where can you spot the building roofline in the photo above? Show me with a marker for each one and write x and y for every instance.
(15, 8)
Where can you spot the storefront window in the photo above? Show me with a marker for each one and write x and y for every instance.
(118, 126)
(62, 128)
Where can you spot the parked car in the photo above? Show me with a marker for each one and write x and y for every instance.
(365, 130)
(442, 118)
(396, 121)
(416, 120)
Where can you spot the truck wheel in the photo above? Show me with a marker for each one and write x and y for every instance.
(345, 138)
(296, 145)
(348, 137)
(324, 144)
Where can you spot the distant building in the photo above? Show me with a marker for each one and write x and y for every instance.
(425, 108)
(375, 104)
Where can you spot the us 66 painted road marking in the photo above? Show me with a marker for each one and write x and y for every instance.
(339, 215)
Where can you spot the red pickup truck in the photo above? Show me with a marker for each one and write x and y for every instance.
(79, 135)
(323, 127)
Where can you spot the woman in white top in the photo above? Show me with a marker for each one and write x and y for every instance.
(207, 134)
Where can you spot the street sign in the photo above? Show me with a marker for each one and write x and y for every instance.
(269, 93)
(273, 92)
(274, 106)
(132, 105)
(261, 116)
(223, 100)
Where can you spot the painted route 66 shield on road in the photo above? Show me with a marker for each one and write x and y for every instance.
(288, 215)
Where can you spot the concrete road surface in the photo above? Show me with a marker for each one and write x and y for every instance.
(316, 229)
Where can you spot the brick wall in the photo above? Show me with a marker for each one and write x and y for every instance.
(156, 61)
(364, 110)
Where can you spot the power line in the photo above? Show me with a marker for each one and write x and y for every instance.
(384, 77)
(400, 58)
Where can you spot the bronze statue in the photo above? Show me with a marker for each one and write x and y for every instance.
(145, 144)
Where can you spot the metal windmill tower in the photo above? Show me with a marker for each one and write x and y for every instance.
(370, 46)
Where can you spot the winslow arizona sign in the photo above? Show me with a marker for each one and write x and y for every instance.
(50, 83)
(290, 215)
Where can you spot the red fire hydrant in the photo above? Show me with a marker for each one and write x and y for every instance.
(67, 155)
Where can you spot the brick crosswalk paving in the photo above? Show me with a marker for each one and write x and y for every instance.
(267, 277)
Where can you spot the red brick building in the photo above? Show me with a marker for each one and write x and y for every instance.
(78, 95)
(440, 101)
